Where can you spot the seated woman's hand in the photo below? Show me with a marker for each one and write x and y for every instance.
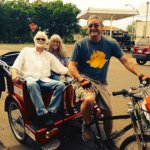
(62, 78)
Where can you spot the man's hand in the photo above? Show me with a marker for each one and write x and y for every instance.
(144, 79)
(15, 76)
(85, 84)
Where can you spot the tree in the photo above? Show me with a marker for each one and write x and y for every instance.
(83, 31)
(131, 30)
(53, 17)
(15, 24)
(56, 17)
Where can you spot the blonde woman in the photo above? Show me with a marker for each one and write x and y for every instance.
(56, 47)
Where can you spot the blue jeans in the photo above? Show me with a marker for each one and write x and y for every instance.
(34, 88)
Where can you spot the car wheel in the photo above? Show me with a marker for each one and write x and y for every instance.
(141, 61)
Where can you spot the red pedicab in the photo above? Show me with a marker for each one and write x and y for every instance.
(21, 112)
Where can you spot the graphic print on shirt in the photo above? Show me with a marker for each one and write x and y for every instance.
(97, 59)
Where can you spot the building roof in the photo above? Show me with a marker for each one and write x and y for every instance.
(108, 14)
(113, 28)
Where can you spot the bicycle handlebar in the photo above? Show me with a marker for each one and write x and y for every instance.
(122, 92)
(129, 93)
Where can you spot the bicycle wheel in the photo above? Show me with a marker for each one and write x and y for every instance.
(130, 143)
(16, 122)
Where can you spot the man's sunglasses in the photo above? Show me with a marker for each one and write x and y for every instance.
(42, 39)
(93, 25)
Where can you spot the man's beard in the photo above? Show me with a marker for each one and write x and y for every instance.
(40, 45)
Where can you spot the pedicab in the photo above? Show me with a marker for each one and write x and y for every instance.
(21, 112)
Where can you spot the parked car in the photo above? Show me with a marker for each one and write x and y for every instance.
(141, 51)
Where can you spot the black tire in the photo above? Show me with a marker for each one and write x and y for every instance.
(130, 143)
(16, 122)
(141, 61)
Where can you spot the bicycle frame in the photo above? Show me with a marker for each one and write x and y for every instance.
(117, 133)
(134, 114)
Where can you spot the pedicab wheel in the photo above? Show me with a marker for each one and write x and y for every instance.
(16, 122)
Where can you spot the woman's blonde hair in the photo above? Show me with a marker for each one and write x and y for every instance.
(61, 49)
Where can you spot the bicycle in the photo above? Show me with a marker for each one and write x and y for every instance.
(141, 138)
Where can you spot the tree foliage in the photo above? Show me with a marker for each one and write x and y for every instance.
(52, 17)
(131, 30)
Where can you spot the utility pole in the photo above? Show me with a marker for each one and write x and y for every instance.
(146, 19)
(133, 24)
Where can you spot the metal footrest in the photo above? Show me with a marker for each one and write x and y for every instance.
(52, 145)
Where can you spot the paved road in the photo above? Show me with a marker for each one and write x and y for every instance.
(118, 78)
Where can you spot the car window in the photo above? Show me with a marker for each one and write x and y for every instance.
(143, 42)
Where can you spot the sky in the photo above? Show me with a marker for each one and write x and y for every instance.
(139, 5)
